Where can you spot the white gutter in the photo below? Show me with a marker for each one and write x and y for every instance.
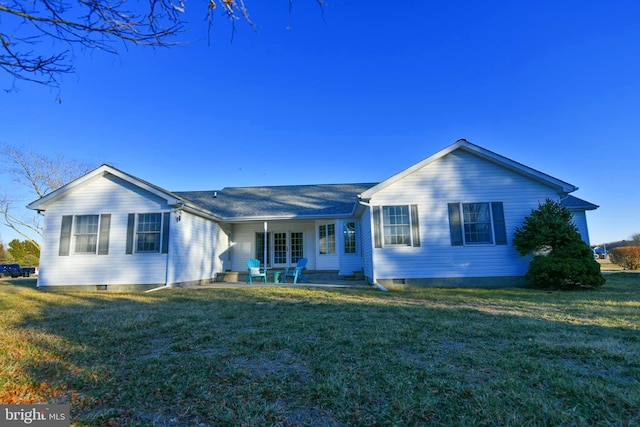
(373, 264)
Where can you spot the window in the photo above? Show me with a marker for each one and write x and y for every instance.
(476, 220)
(148, 233)
(477, 224)
(85, 234)
(327, 239)
(396, 225)
(395, 222)
(349, 237)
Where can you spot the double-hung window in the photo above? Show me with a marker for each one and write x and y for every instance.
(84, 234)
(148, 233)
(477, 223)
(396, 225)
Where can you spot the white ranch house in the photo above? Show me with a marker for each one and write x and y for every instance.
(448, 220)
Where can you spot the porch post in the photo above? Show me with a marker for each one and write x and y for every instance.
(265, 244)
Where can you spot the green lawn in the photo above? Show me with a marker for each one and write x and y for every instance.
(324, 357)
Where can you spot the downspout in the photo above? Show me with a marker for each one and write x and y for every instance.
(177, 212)
(373, 264)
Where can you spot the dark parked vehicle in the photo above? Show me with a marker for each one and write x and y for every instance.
(28, 271)
(14, 270)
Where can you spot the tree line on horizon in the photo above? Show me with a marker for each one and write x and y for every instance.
(22, 252)
(634, 240)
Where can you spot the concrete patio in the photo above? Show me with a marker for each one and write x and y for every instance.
(324, 279)
(236, 285)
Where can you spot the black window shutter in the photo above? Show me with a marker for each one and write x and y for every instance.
(165, 232)
(131, 222)
(65, 235)
(377, 231)
(455, 224)
(103, 237)
(415, 225)
(499, 226)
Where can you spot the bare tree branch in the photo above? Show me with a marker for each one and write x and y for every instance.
(36, 176)
(29, 27)
(20, 225)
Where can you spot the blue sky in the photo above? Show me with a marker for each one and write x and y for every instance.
(356, 95)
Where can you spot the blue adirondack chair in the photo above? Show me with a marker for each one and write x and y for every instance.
(296, 272)
(254, 270)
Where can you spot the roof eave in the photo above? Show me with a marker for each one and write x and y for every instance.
(104, 170)
(463, 144)
(284, 217)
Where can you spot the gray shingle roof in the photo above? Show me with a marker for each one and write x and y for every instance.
(287, 201)
(574, 203)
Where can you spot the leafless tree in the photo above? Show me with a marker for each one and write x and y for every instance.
(36, 176)
(36, 35)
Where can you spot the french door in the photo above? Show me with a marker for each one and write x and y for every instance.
(287, 248)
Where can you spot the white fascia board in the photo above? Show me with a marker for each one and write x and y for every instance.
(286, 218)
(366, 195)
(42, 203)
(561, 186)
(195, 210)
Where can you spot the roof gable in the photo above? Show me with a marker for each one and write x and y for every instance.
(42, 203)
(463, 144)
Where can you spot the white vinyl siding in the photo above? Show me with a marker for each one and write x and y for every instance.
(366, 238)
(198, 247)
(580, 221)
(118, 198)
(432, 188)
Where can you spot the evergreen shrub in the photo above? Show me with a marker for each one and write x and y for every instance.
(561, 259)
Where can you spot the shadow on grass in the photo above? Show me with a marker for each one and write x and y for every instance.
(286, 356)
(26, 282)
